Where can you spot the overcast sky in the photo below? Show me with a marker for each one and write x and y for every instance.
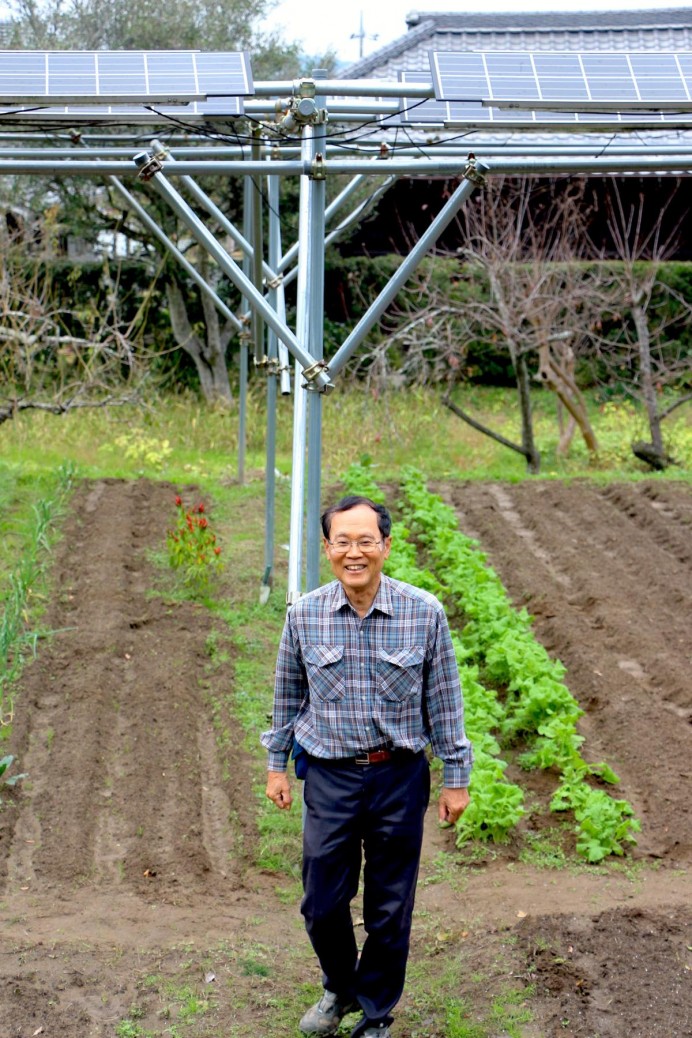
(323, 24)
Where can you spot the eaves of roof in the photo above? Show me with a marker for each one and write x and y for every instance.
(655, 18)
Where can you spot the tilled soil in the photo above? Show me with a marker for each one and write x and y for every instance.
(126, 857)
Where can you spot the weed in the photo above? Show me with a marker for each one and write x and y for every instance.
(510, 1010)
(457, 1023)
(443, 869)
(26, 584)
(544, 849)
(217, 655)
(254, 968)
(191, 1005)
(142, 449)
(5, 763)
(129, 1029)
(290, 895)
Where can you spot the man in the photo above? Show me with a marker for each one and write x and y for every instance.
(366, 678)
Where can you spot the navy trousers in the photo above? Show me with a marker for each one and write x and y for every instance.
(376, 810)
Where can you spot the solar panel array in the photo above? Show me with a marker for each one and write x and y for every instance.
(559, 90)
(588, 85)
(490, 89)
(63, 77)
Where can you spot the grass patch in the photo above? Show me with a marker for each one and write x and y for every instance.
(32, 524)
(182, 440)
(129, 1028)
(439, 1004)
(253, 633)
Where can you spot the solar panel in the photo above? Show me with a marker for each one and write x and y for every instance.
(112, 77)
(477, 112)
(595, 81)
(413, 111)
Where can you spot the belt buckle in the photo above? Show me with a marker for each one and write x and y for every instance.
(362, 758)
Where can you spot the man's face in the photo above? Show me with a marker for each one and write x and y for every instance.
(357, 570)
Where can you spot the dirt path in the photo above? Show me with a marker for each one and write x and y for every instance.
(125, 860)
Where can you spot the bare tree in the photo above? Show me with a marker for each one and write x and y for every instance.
(206, 343)
(519, 281)
(645, 313)
(54, 360)
(423, 336)
(526, 239)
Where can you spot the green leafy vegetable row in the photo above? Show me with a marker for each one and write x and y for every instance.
(538, 706)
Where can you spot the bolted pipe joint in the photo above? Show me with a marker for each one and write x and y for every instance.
(306, 109)
(305, 87)
(317, 378)
(303, 111)
(475, 172)
(318, 170)
(148, 165)
(159, 151)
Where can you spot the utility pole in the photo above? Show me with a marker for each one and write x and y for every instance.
(361, 36)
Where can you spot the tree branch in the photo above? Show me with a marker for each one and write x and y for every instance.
(482, 428)
(671, 408)
(13, 408)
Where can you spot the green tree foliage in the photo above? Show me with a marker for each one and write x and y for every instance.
(150, 25)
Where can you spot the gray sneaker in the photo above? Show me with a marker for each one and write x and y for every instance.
(376, 1032)
(326, 1015)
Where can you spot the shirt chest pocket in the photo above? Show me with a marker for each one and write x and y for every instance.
(400, 673)
(324, 665)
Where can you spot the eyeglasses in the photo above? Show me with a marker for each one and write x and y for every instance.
(365, 544)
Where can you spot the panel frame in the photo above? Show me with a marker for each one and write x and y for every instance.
(619, 77)
(155, 73)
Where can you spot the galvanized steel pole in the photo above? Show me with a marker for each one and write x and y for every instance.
(274, 246)
(316, 191)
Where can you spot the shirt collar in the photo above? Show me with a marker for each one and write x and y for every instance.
(382, 600)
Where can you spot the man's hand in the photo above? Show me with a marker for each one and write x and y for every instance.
(452, 804)
(278, 789)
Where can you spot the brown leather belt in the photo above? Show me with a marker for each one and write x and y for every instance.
(366, 757)
(373, 757)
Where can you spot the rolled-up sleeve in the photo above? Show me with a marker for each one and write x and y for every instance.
(444, 708)
(290, 690)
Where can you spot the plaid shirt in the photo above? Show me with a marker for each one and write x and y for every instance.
(346, 684)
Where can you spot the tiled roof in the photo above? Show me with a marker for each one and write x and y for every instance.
(492, 21)
(662, 29)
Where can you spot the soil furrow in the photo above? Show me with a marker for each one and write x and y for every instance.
(658, 523)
